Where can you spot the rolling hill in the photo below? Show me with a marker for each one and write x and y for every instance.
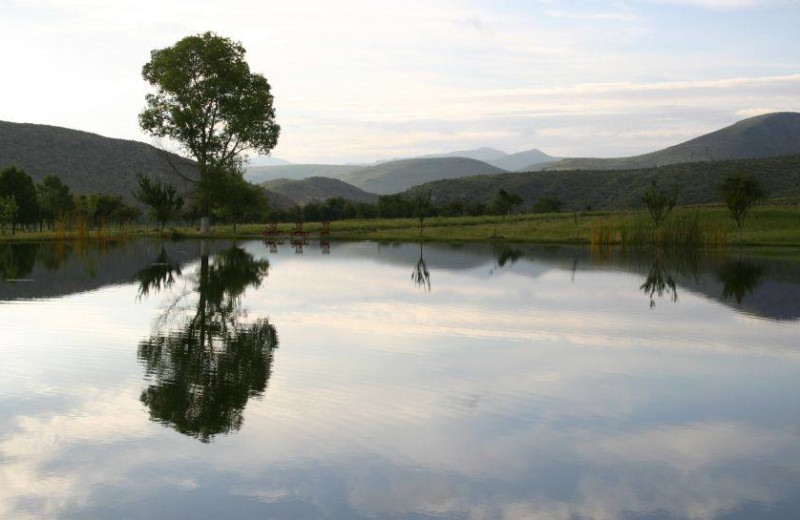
(620, 189)
(398, 176)
(296, 172)
(484, 154)
(86, 162)
(317, 189)
(517, 161)
(768, 135)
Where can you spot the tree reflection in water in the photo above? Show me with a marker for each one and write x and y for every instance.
(504, 255)
(420, 274)
(659, 281)
(17, 260)
(158, 275)
(740, 278)
(203, 361)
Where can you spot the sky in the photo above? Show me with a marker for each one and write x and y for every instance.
(365, 80)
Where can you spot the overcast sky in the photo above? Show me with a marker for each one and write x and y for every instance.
(360, 80)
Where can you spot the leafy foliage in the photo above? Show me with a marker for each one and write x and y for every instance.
(505, 202)
(55, 198)
(740, 193)
(659, 204)
(8, 211)
(548, 205)
(162, 199)
(239, 201)
(209, 102)
(14, 182)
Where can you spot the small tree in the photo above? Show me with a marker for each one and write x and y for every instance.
(8, 211)
(659, 203)
(505, 202)
(741, 193)
(14, 182)
(422, 207)
(55, 199)
(240, 201)
(162, 199)
(548, 205)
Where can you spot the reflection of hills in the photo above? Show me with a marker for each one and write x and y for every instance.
(60, 269)
(437, 256)
(776, 295)
(79, 268)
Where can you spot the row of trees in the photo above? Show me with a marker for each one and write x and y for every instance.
(739, 193)
(25, 204)
(36, 206)
(406, 206)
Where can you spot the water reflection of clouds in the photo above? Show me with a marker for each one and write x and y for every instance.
(502, 399)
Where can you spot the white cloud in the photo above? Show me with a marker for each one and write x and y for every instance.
(358, 80)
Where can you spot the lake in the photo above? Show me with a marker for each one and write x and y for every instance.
(396, 381)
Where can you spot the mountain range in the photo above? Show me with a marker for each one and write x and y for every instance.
(92, 163)
(396, 175)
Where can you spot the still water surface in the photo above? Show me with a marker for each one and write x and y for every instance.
(355, 381)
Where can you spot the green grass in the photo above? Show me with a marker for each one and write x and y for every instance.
(766, 227)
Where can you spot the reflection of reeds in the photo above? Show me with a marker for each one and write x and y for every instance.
(685, 232)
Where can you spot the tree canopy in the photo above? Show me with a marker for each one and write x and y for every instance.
(162, 199)
(207, 100)
(55, 198)
(14, 182)
(659, 203)
(505, 201)
(740, 193)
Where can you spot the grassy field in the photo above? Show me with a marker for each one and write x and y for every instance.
(767, 226)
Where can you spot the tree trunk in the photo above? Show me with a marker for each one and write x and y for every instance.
(205, 225)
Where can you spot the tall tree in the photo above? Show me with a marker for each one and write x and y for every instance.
(55, 198)
(162, 199)
(14, 182)
(208, 101)
(741, 193)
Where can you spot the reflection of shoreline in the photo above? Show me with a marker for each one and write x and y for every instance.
(764, 288)
(89, 266)
(63, 268)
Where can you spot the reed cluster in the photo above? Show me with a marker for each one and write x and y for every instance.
(636, 232)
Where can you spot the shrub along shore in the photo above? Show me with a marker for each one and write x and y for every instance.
(708, 227)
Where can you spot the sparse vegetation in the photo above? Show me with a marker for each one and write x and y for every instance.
(659, 204)
(740, 193)
(162, 199)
